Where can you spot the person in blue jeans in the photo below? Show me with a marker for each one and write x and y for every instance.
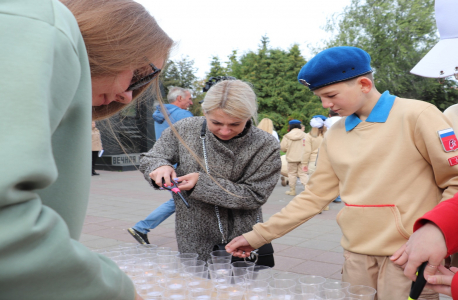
(180, 100)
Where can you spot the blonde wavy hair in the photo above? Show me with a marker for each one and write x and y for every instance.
(315, 132)
(119, 35)
(234, 97)
(267, 125)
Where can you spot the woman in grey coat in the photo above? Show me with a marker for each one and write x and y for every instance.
(243, 161)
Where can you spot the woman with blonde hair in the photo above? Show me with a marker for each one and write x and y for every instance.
(236, 169)
(267, 125)
(62, 61)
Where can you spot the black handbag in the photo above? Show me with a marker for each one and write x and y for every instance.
(264, 255)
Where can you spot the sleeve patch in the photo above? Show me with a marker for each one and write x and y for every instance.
(453, 161)
(448, 140)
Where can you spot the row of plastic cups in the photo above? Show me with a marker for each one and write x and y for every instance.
(327, 290)
(253, 289)
(173, 256)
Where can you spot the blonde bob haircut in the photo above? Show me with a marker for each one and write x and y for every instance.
(234, 97)
(267, 125)
(119, 35)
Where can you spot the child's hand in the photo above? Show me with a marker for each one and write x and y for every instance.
(425, 244)
(239, 247)
(441, 282)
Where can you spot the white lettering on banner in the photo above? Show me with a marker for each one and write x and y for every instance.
(125, 160)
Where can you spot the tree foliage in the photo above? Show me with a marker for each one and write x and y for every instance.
(273, 74)
(397, 34)
(181, 73)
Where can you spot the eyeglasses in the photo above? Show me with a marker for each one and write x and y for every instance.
(144, 80)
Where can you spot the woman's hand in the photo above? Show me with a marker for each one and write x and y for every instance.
(442, 281)
(239, 247)
(425, 244)
(165, 172)
(305, 168)
(188, 181)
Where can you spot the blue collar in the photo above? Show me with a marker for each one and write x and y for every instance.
(379, 113)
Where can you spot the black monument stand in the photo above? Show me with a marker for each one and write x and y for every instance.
(125, 136)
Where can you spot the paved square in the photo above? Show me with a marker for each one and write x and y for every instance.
(119, 199)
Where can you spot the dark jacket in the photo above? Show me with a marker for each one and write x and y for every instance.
(247, 166)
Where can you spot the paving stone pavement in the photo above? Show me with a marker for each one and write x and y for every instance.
(119, 199)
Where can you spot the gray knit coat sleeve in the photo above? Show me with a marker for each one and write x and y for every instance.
(164, 153)
(249, 192)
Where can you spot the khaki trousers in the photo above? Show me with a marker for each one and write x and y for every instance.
(381, 274)
(294, 171)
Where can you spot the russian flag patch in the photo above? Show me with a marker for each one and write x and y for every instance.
(448, 140)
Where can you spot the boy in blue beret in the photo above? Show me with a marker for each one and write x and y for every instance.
(391, 159)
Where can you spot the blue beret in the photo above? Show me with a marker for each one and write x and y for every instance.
(334, 65)
(320, 116)
(294, 122)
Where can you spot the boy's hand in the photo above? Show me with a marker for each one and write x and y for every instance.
(239, 247)
(442, 281)
(425, 244)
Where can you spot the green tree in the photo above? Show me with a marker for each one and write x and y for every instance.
(397, 34)
(273, 74)
(216, 68)
(179, 73)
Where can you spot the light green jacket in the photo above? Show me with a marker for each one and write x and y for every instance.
(45, 146)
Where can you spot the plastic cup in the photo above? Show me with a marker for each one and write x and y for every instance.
(286, 275)
(193, 263)
(361, 292)
(201, 293)
(240, 267)
(336, 285)
(126, 246)
(150, 248)
(220, 257)
(330, 294)
(311, 283)
(193, 270)
(219, 272)
(230, 291)
(198, 280)
(187, 256)
(262, 269)
(258, 276)
(281, 288)
(133, 251)
(170, 270)
(152, 292)
(124, 261)
(257, 290)
(163, 249)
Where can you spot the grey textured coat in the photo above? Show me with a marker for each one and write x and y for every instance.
(247, 166)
